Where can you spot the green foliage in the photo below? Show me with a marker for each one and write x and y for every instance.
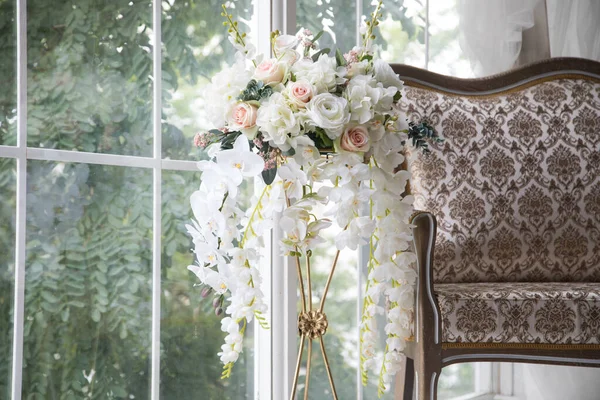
(255, 91)
(419, 135)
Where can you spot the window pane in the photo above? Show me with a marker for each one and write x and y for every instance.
(195, 47)
(7, 269)
(401, 32)
(190, 331)
(445, 55)
(337, 18)
(88, 282)
(456, 380)
(8, 73)
(89, 75)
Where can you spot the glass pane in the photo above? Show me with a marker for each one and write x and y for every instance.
(190, 331)
(456, 380)
(90, 75)
(337, 18)
(7, 269)
(88, 282)
(401, 33)
(8, 73)
(195, 47)
(445, 55)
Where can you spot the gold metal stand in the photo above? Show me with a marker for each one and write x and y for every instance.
(312, 325)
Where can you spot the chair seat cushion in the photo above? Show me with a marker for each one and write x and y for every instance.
(505, 312)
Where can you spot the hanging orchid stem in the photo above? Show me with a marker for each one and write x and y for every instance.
(381, 383)
(233, 28)
(297, 257)
(258, 206)
(375, 15)
(368, 301)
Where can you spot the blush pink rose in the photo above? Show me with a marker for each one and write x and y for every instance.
(355, 138)
(270, 72)
(242, 116)
(300, 93)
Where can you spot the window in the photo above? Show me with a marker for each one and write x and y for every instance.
(96, 169)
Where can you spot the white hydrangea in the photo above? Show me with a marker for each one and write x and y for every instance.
(223, 90)
(323, 73)
(277, 122)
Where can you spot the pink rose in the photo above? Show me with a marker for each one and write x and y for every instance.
(242, 117)
(300, 93)
(270, 72)
(355, 138)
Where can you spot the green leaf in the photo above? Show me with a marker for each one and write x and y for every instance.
(316, 56)
(339, 58)
(50, 298)
(269, 175)
(95, 315)
(318, 36)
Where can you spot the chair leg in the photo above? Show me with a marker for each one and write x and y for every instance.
(409, 379)
(427, 381)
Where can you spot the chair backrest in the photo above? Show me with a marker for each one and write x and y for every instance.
(515, 186)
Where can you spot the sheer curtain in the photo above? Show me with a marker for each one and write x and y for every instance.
(574, 27)
(553, 382)
(491, 32)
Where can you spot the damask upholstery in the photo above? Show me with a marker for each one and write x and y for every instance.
(509, 312)
(515, 186)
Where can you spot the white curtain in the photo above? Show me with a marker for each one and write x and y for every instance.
(491, 32)
(574, 27)
(552, 382)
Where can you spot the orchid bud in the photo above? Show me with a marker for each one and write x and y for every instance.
(216, 302)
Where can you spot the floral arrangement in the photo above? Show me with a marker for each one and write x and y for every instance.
(276, 117)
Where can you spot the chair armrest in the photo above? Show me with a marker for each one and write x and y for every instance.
(427, 312)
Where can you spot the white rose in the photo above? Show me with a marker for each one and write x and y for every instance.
(300, 92)
(277, 122)
(386, 75)
(355, 138)
(242, 117)
(323, 73)
(284, 43)
(329, 112)
(271, 72)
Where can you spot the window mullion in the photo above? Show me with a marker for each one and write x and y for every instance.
(426, 34)
(157, 201)
(19, 288)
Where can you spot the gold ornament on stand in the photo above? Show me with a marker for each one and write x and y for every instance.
(312, 325)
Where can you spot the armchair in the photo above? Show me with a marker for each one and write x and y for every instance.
(508, 242)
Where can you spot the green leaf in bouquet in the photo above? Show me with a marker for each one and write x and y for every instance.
(316, 56)
(318, 36)
(255, 91)
(269, 175)
(290, 152)
(420, 133)
(229, 139)
(339, 58)
(322, 141)
(397, 96)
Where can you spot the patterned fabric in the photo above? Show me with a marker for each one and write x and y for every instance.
(503, 312)
(515, 186)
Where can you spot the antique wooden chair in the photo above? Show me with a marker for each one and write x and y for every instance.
(508, 239)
